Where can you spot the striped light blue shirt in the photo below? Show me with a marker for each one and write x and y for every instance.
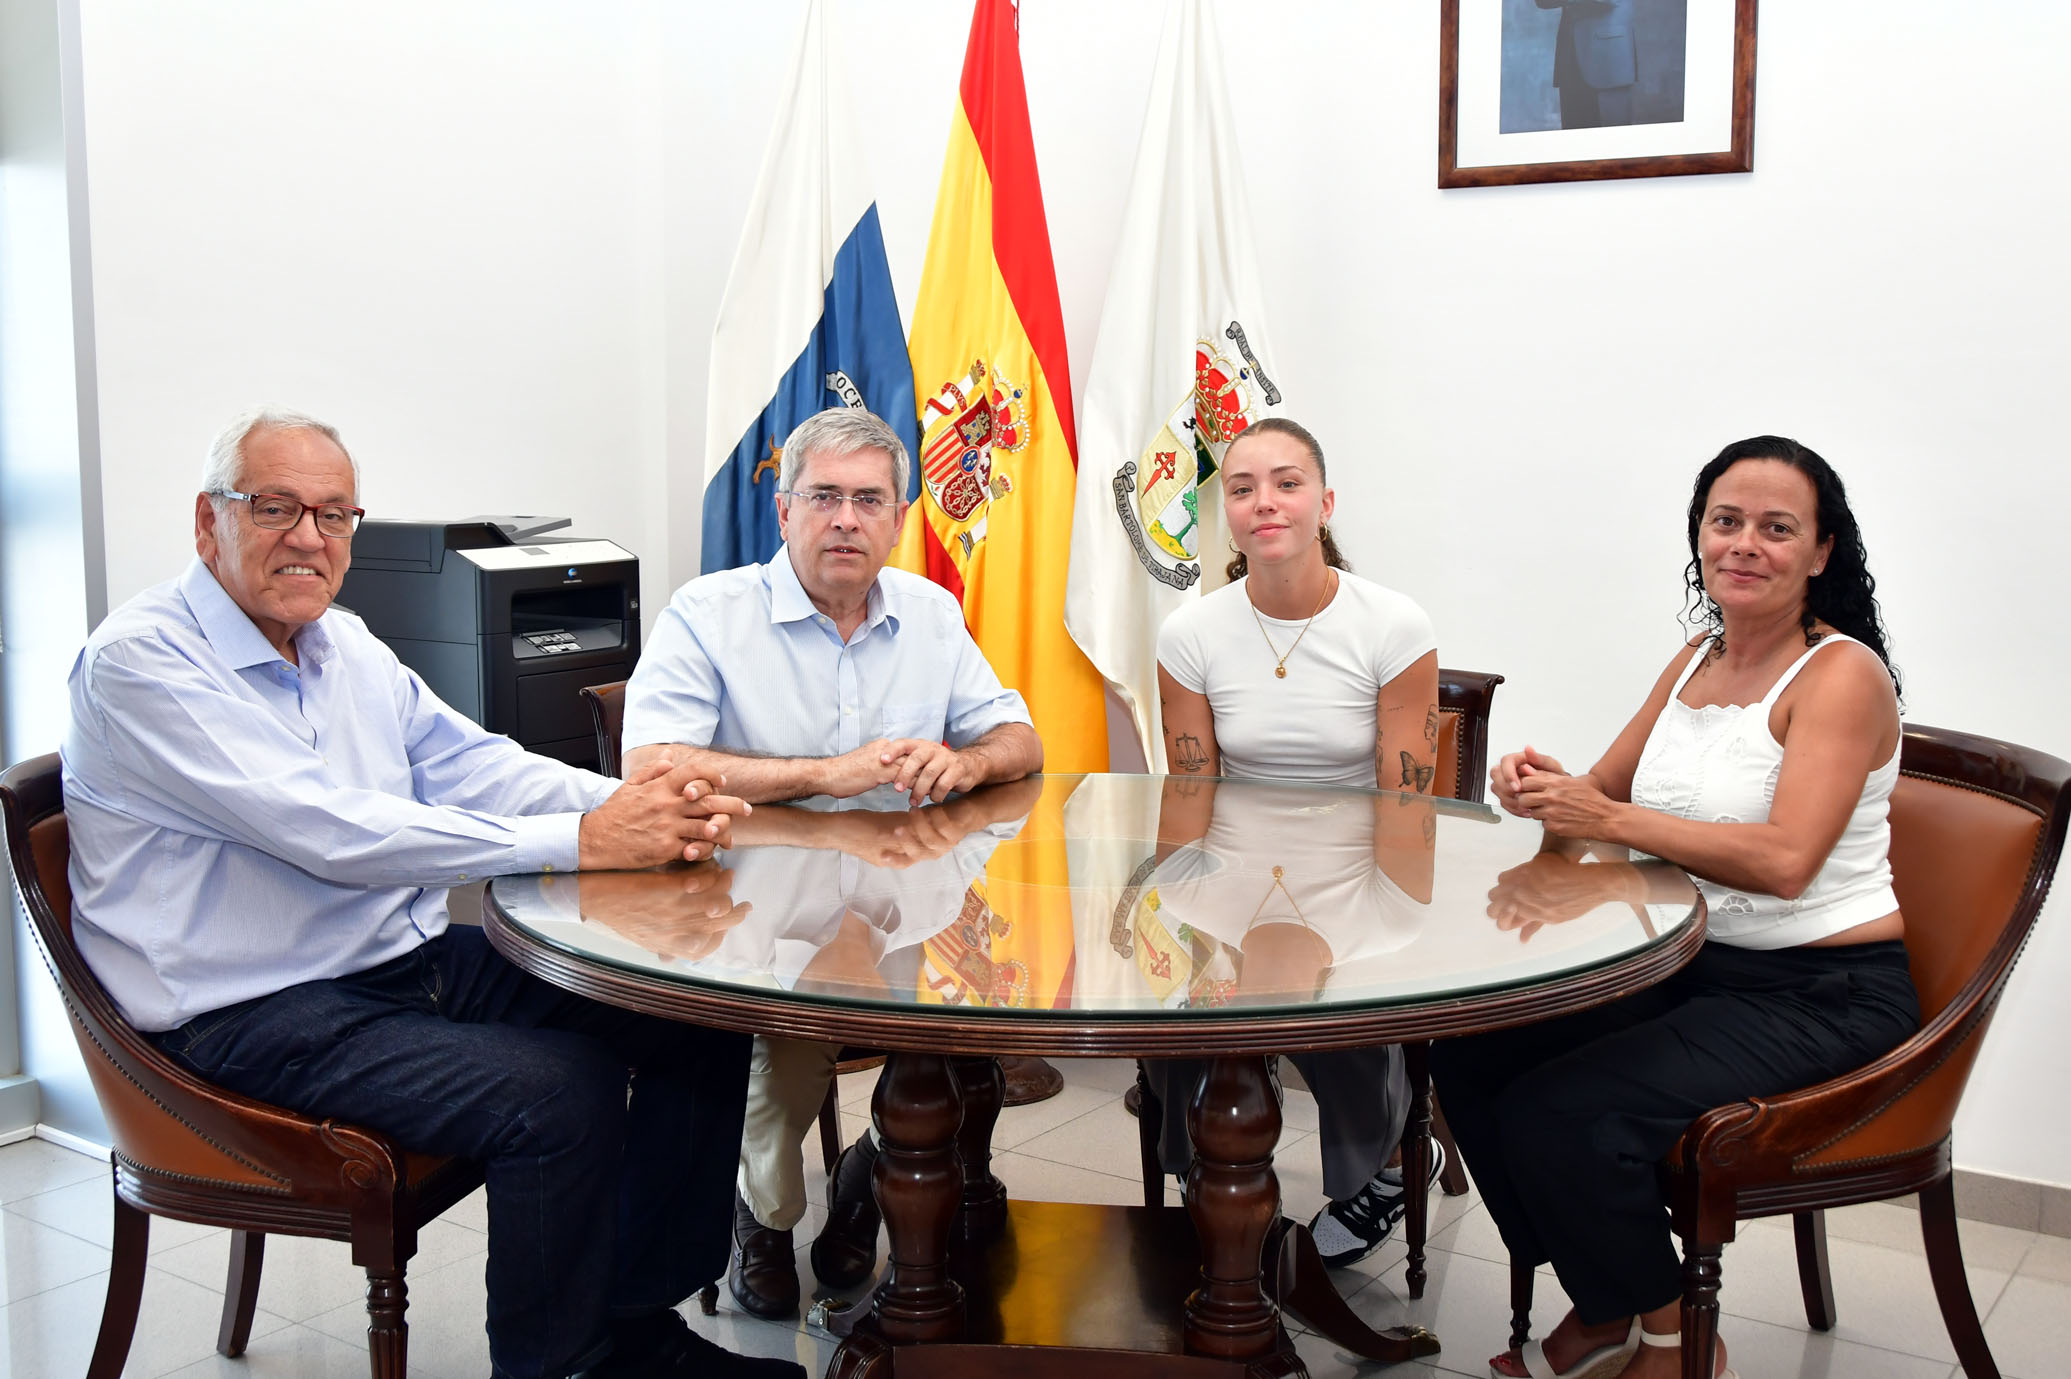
(742, 659)
(240, 824)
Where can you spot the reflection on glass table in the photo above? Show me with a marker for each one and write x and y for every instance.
(1116, 916)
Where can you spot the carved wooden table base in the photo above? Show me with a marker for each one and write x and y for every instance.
(934, 1183)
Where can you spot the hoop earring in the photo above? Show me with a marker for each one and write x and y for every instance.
(1323, 531)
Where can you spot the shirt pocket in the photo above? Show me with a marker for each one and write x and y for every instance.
(921, 718)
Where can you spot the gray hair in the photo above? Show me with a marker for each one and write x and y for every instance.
(844, 431)
(224, 471)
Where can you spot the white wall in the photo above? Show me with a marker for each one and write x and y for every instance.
(488, 239)
(435, 224)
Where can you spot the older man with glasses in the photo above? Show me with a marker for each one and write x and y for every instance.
(267, 810)
(821, 673)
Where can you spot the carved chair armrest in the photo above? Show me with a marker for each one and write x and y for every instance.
(325, 1162)
(1766, 1136)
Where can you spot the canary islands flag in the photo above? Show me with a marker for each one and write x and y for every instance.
(998, 451)
(808, 320)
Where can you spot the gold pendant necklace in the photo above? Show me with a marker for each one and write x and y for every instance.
(1279, 661)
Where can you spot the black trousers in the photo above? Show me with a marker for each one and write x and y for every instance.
(609, 1137)
(1563, 1122)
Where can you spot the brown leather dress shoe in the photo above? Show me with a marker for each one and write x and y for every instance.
(764, 1274)
(846, 1249)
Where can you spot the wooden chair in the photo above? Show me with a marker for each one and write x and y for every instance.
(192, 1151)
(608, 715)
(1977, 827)
(1464, 699)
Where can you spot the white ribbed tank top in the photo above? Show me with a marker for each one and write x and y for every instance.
(1720, 764)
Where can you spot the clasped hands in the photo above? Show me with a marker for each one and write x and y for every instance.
(663, 813)
(917, 767)
(1533, 785)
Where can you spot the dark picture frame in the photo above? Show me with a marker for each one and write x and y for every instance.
(1704, 157)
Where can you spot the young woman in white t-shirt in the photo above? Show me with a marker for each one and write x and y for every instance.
(1300, 670)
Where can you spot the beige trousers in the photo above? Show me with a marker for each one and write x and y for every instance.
(787, 1083)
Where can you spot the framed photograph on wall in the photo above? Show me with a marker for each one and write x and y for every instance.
(1581, 90)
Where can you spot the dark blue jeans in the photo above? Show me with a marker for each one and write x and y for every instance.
(452, 1050)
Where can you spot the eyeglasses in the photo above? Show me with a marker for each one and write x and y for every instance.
(827, 501)
(276, 512)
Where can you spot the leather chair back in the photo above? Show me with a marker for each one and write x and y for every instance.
(131, 1077)
(1464, 698)
(1977, 827)
(608, 716)
(163, 1119)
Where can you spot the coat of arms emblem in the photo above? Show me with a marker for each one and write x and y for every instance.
(1158, 494)
(965, 428)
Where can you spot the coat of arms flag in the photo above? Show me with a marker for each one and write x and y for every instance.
(1180, 368)
(997, 445)
(808, 321)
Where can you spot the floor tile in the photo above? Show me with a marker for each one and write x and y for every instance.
(446, 1311)
(1473, 1232)
(471, 1211)
(53, 1333)
(302, 1276)
(1020, 1124)
(854, 1090)
(1466, 1301)
(1327, 1360)
(295, 1352)
(1105, 1139)
(1898, 1228)
(87, 1210)
(2049, 1259)
(35, 1258)
(2029, 1328)
(1882, 1297)
(746, 1335)
(1079, 1146)
(1115, 1075)
(1298, 1109)
(1796, 1352)
(1030, 1179)
(28, 1167)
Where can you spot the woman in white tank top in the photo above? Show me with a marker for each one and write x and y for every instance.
(1762, 762)
(1300, 670)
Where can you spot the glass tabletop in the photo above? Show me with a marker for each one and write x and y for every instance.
(1116, 896)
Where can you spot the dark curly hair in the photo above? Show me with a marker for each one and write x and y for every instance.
(1300, 435)
(1843, 595)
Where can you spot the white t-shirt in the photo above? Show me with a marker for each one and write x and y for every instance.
(1319, 724)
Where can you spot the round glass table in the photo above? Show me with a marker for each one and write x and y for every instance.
(1102, 915)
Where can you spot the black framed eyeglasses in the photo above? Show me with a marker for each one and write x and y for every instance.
(278, 512)
(827, 501)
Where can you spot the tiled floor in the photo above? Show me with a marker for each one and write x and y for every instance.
(1079, 1146)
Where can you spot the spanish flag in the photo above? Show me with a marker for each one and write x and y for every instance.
(998, 452)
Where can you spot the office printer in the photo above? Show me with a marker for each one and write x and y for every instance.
(504, 623)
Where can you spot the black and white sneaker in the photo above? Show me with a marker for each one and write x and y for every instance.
(1348, 1231)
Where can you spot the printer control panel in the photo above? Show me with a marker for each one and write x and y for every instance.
(565, 635)
(553, 643)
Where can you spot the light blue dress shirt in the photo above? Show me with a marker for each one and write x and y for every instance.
(240, 824)
(742, 659)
